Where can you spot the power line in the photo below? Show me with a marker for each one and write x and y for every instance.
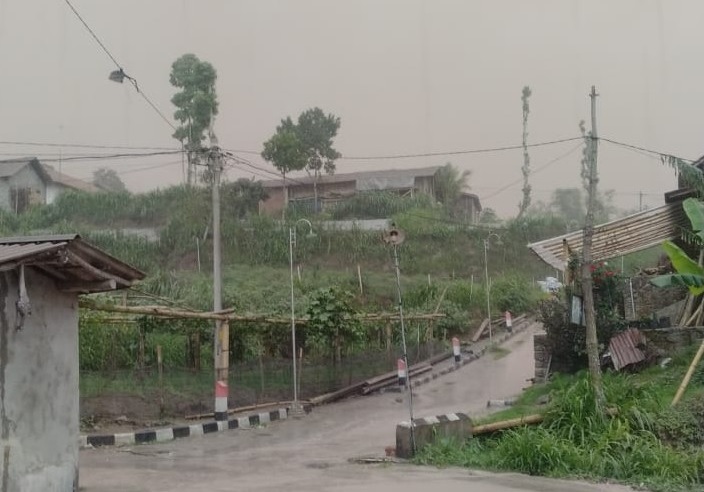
(643, 149)
(458, 152)
(248, 163)
(100, 157)
(81, 146)
(117, 64)
(92, 33)
(539, 169)
(147, 168)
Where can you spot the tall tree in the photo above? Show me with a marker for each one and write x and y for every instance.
(285, 151)
(525, 202)
(241, 198)
(316, 131)
(306, 144)
(108, 180)
(196, 104)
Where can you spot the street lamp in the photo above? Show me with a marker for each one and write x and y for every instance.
(296, 409)
(486, 274)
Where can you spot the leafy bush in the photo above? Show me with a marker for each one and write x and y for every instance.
(515, 294)
(575, 441)
(377, 205)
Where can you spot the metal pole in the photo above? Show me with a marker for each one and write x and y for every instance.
(295, 407)
(486, 274)
(405, 351)
(221, 328)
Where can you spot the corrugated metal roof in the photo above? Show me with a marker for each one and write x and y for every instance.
(362, 175)
(10, 168)
(619, 237)
(68, 259)
(625, 348)
(14, 252)
(69, 181)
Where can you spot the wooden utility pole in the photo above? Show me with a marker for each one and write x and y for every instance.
(587, 292)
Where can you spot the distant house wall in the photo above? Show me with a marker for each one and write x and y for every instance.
(53, 191)
(469, 208)
(274, 203)
(425, 184)
(22, 189)
(39, 374)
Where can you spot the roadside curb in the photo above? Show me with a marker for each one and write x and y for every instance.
(176, 432)
(472, 357)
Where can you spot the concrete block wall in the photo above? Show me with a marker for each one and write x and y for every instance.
(39, 381)
(427, 430)
(649, 299)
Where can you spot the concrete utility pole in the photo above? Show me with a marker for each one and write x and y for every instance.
(587, 292)
(222, 329)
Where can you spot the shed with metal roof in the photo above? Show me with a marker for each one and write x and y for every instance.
(40, 279)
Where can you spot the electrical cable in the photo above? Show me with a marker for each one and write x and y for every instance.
(82, 146)
(117, 64)
(458, 152)
(539, 169)
(108, 157)
(643, 149)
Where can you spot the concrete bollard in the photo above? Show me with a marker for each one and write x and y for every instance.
(426, 430)
(456, 349)
(402, 373)
(509, 322)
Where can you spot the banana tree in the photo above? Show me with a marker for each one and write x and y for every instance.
(690, 273)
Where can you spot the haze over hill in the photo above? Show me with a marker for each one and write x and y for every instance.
(405, 77)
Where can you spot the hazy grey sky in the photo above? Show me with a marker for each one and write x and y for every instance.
(405, 76)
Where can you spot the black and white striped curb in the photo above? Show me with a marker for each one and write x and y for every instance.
(437, 419)
(472, 357)
(171, 433)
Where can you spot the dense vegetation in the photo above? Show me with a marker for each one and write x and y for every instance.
(644, 441)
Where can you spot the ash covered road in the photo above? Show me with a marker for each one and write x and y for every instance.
(313, 453)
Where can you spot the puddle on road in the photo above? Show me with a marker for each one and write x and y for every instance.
(319, 465)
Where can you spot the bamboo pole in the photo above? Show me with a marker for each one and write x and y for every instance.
(688, 376)
(160, 368)
(359, 277)
(507, 424)
(165, 312)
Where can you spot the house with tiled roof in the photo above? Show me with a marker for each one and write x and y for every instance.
(26, 182)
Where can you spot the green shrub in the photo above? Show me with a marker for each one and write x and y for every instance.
(515, 294)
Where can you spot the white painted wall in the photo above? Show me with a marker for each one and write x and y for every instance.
(53, 190)
(39, 414)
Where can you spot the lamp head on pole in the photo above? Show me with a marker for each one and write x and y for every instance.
(117, 76)
(393, 236)
(311, 232)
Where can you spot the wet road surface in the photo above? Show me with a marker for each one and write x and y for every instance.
(313, 453)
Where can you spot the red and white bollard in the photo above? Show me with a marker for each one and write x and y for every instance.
(402, 374)
(509, 322)
(456, 349)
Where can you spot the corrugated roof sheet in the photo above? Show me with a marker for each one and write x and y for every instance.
(13, 252)
(9, 168)
(69, 181)
(625, 348)
(69, 260)
(362, 175)
(619, 237)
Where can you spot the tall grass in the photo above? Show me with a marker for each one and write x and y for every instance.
(575, 441)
